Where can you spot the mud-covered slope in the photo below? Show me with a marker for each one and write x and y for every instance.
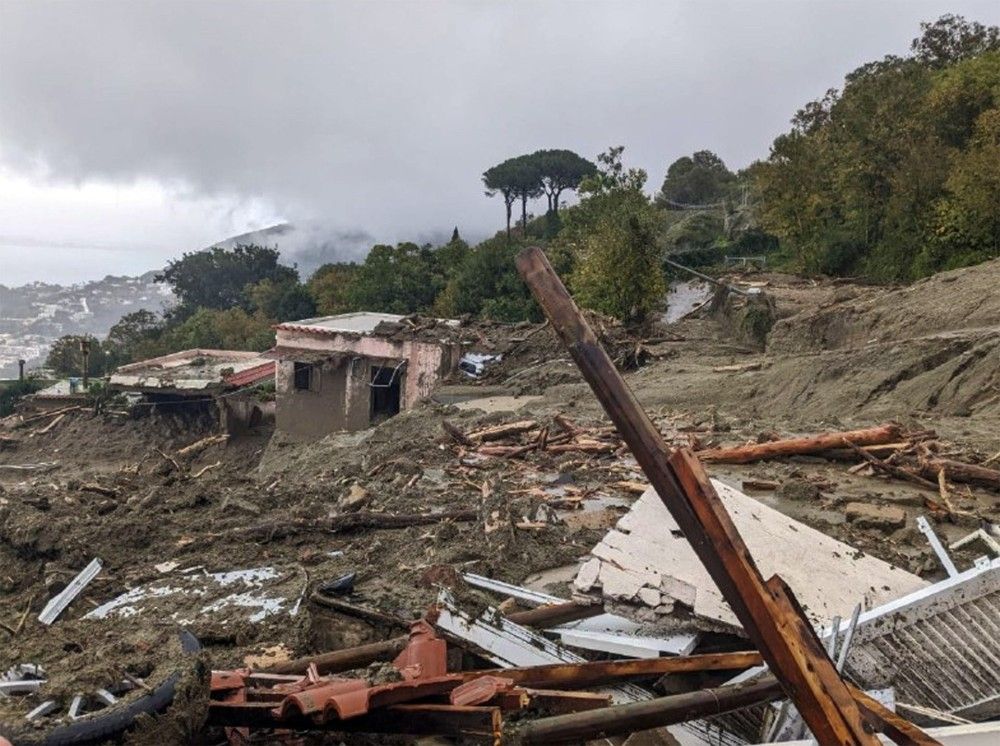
(962, 301)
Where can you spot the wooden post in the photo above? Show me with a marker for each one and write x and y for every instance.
(678, 708)
(786, 641)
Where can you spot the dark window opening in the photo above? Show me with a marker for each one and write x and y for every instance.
(385, 388)
(306, 377)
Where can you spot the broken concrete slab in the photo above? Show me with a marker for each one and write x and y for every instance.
(607, 633)
(867, 515)
(647, 571)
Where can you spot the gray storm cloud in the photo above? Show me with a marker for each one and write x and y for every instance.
(377, 119)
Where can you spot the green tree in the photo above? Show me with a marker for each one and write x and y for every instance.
(560, 170)
(502, 179)
(868, 179)
(951, 38)
(218, 278)
(620, 271)
(617, 270)
(402, 279)
(285, 300)
(697, 180)
(65, 357)
(968, 216)
(451, 255)
(330, 287)
(487, 285)
(229, 329)
(11, 392)
(131, 337)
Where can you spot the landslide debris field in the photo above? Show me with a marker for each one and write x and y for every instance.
(168, 526)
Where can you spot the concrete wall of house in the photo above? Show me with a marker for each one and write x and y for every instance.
(307, 415)
(343, 401)
(241, 413)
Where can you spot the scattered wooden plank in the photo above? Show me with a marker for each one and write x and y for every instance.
(891, 469)
(200, 445)
(623, 719)
(800, 446)
(204, 469)
(506, 429)
(51, 425)
(898, 728)
(593, 673)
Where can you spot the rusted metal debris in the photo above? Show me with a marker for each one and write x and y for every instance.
(766, 610)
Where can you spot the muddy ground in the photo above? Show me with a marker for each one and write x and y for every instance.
(838, 356)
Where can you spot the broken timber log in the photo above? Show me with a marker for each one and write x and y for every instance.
(801, 446)
(553, 615)
(622, 719)
(592, 673)
(785, 639)
(959, 471)
(343, 660)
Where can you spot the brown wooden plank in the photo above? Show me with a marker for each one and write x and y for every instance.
(621, 719)
(681, 483)
(559, 702)
(578, 675)
(898, 728)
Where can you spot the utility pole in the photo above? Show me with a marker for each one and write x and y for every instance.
(85, 349)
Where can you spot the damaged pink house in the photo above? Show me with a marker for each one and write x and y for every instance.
(353, 370)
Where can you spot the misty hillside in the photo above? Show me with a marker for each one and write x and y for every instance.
(33, 316)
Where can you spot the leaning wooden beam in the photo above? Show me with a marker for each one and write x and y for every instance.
(622, 719)
(898, 728)
(579, 675)
(801, 446)
(798, 660)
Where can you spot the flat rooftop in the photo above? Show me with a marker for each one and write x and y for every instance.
(189, 369)
(359, 322)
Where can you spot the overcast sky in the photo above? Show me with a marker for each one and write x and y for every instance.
(133, 131)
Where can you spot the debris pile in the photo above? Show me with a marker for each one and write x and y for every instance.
(481, 574)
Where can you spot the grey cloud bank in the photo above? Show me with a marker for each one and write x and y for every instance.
(377, 119)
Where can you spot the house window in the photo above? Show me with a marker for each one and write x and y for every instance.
(306, 377)
(385, 392)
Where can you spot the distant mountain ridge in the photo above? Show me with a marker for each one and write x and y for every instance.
(34, 315)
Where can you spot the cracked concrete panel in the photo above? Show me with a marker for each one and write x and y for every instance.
(645, 562)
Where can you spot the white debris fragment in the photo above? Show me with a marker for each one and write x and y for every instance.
(58, 603)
